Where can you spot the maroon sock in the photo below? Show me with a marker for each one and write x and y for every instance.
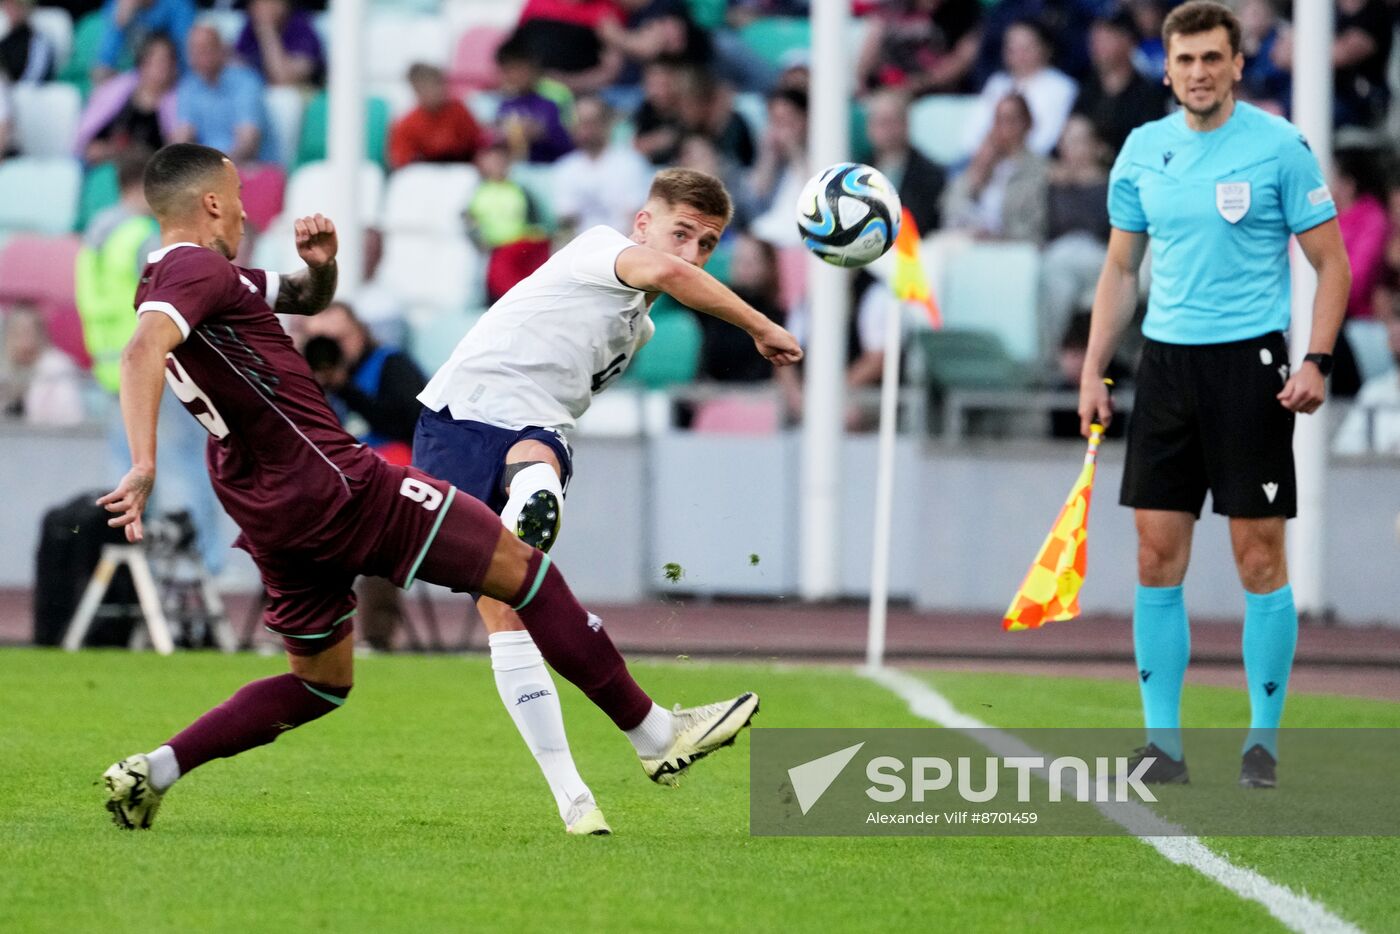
(255, 715)
(583, 654)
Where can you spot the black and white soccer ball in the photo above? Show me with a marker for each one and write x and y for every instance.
(848, 214)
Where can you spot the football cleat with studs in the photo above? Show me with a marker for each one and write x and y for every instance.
(539, 520)
(131, 798)
(699, 732)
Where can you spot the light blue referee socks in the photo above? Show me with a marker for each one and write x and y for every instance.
(1270, 635)
(1162, 645)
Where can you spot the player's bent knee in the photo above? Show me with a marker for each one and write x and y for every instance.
(333, 694)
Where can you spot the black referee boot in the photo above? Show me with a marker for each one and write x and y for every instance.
(1257, 768)
(1164, 771)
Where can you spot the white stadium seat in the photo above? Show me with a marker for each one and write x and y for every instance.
(46, 118)
(433, 335)
(276, 247)
(484, 105)
(395, 41)
(57, 25)
(311, 190)
(463, 14)
(936, 125)
(228, 23)
(285, 107)
(992, 287)
(431, 270)
(431, 199)
(39, 195)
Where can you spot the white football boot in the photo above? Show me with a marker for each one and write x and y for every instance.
(132, 799)
(585, 818)
(699, 732)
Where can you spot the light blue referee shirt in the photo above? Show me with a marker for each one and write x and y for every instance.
(1219, 208)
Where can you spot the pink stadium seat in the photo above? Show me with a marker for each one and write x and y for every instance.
(264, 189)
(792, 275)
(39, 270)
(737, 415)
(474, 61)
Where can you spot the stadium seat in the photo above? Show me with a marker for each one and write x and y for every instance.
(792, 275)
(474, 60)
(315, 120)
(275, 248)
(431, 270)
(397, 96)
(936, 124)
(995, 287)
(618, 413)
(399, 40)
(428, 199)
(538, 182)
(484, 105)
(57, 24)
(754, 109)
(87, 38)
(39, 270)
(462, 15)
(99, 192)
(46, 118)
(229, 23)
(772, 37)
(39, 195)
(672, 356)
(966, 358)
(738, 415)
(264, 189)
(284, 111)
(311, 190)
(433, 336)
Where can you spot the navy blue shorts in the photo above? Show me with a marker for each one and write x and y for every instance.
(472, 455)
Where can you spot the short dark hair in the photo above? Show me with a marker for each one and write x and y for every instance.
(1198, 16)
(421, 71)
(697, 190)
(1041, 32)
(174, 169)
(794, 96)
(516, 51)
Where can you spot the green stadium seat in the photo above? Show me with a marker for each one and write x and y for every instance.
(99, 192)
(964, 358)
(87, 38)
(316, 120)
(773, 37)
(707, 14)
(672, 356)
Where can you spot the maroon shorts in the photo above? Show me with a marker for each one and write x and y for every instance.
(387, 530)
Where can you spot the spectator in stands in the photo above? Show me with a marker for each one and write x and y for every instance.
(280, 43)
(600, 182)
(781, 168)
(439, 129)
(127, 23)
(504, 222)
(1076, 231)
(136, 108)
(658, 119)
(374, 390)
(1068, 367)
(1001, 195)
(38, 382)
(1265, 83)
(707, 109)
(700, 153)
(1358, 188)
(1048, 91)
(532, 124)
(918, 180)
(794, 71)
(1151, 55)
(921, 46)
(653, 29)
(1360, 52)
(1115, 96)
(26, 55)
(5, 118)
(726, 355)
(565, 38)
(735, 60)
(219, 103)
(1372, 425)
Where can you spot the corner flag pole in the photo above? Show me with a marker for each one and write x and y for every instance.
(884, 493)
(1312, 114)
(345, 139)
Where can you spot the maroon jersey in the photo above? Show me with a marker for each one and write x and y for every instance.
(281, 464)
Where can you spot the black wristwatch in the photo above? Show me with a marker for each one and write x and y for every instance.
(1323, 362)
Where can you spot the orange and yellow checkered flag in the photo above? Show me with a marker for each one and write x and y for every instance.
(1050, 591)
(910, 282)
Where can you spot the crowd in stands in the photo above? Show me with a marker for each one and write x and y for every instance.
(997, 122)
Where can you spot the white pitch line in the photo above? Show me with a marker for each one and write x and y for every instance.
(1293, 910)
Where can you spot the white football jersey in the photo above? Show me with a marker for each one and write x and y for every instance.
(540, 353)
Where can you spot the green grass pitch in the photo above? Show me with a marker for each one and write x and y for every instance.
(417, 808)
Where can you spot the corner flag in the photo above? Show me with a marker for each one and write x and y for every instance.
(910, 281)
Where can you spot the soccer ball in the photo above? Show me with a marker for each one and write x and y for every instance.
(848, 214)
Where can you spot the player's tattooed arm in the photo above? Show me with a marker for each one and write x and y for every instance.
(311, 290)
(307, 292)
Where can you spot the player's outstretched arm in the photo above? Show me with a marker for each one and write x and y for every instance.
(142, 382)
(653, 271)
(309, 291)
(1114, 302)
(1306, 389)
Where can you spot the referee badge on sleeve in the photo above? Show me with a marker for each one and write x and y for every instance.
(1232, 200)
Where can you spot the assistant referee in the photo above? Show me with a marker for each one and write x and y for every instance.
(1216, 190)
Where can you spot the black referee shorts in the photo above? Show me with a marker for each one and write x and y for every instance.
(1207, 417)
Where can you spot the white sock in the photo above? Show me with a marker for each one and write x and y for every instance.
(526, 484)
(164, 769)
(653, 735)
(528, 693)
